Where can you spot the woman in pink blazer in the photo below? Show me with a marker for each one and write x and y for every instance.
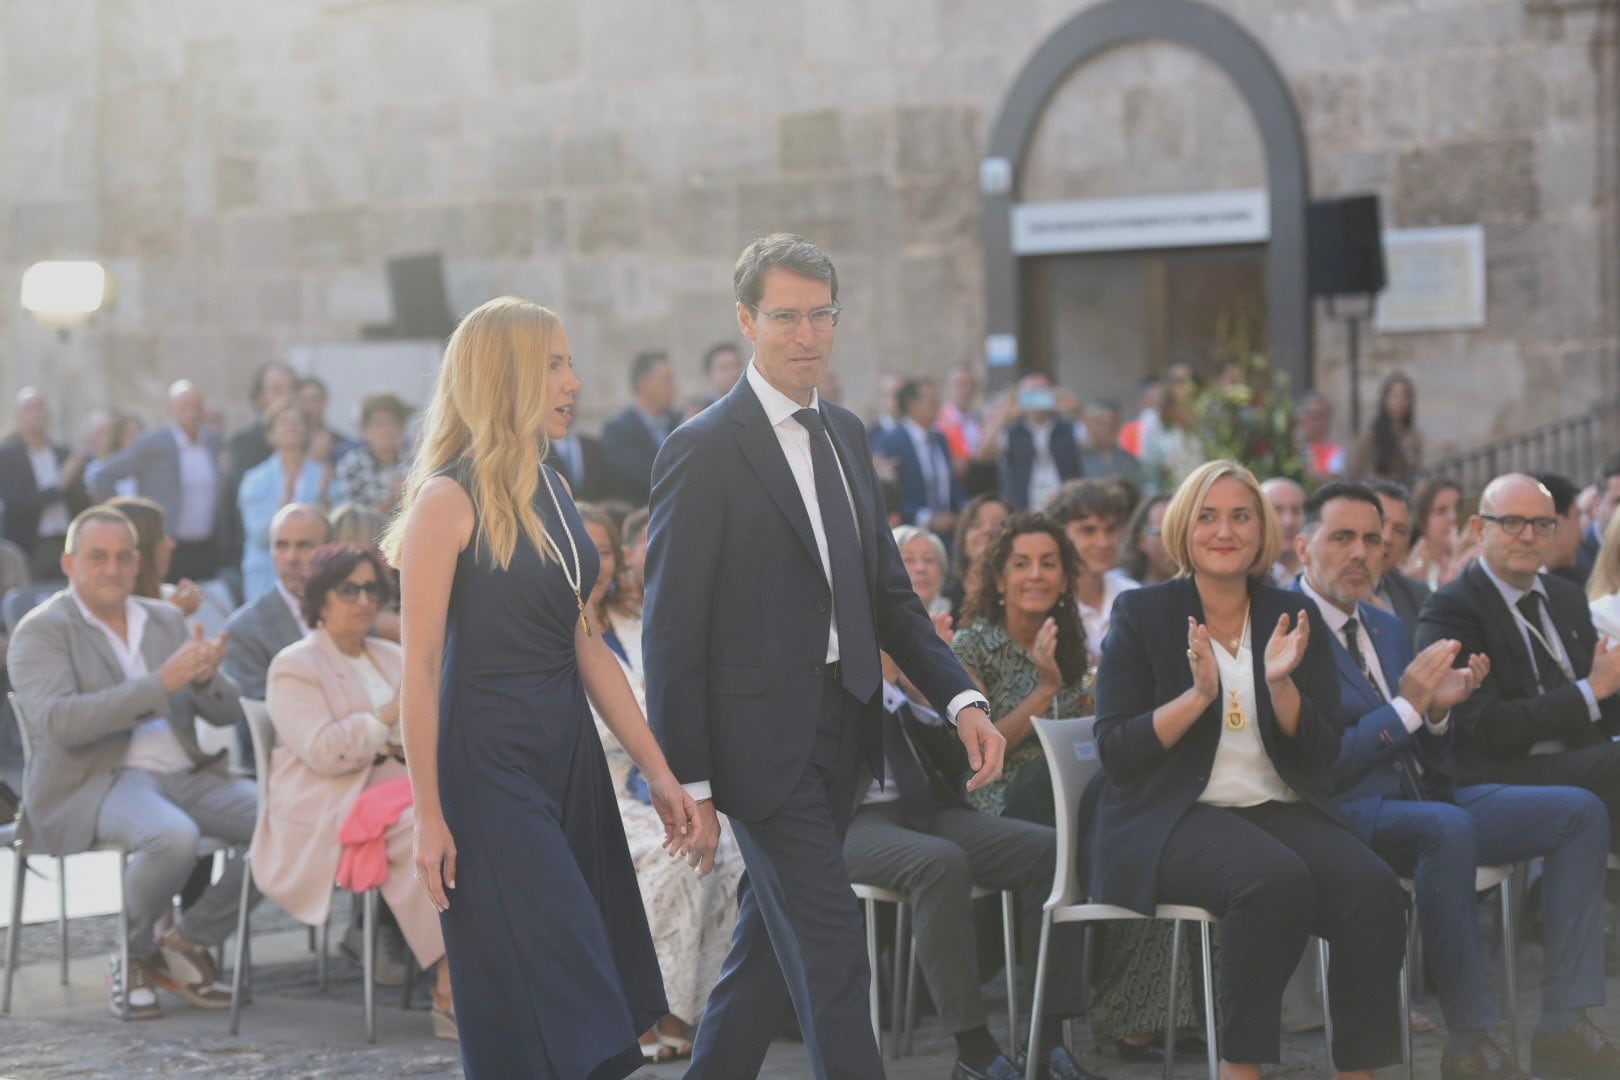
(334, 701)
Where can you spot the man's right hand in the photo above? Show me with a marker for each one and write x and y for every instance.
(194, 661)
(1605, 677)
(701, 856)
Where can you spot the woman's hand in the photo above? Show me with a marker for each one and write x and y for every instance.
(1287, 647)
(945, 627)
(1045, 656)
(1201, 661)
(389, 713)
(187, 597)
(687, 830)
(435, 860)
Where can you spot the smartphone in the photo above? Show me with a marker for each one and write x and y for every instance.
(1037, 399)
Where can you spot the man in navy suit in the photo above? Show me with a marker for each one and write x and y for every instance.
(632, 437)
(929, 493)
(772, 582)
(1394, 789)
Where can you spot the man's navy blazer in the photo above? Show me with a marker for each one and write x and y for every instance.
(1146, 789)
(1508, 713)
(1372, 765)
(738, 605)
(914, 493)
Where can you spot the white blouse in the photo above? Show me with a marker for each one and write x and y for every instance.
(1606, 616)
(380, 692)
(1242, 773)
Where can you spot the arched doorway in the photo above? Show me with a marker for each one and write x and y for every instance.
(1209, 236)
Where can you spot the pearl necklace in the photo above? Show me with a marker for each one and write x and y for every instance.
(577, 577)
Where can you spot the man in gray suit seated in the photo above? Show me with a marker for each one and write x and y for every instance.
(111, 685)
(177, 466)
(268, 623)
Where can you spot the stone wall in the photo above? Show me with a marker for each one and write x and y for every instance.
(245, 169)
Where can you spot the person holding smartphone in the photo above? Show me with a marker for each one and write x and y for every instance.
(1032, 438)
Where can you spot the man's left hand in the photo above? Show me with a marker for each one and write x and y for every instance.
(985, 745)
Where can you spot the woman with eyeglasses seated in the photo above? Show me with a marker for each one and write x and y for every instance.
(1217, 720)
(334, 700)
(923, 553)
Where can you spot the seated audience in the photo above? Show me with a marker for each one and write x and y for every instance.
(1092, 513)
(1442, 549)
(1024, 644)
(1287, 501)
(288, 475)
(334, 700)
(1143, 557)
(201, 608)
(924, 556)
(353, 523)
(1395, 592)
(917, 835)
(176, 465)
(977, 523)
(373, 473)
(1215, 741)
(1603, 587)
(274, 619)
(691, 917)
(115, 757)
(930, 495)
(1549, 710)
(1607, 500)
(1394, 786)
(632, 575)
(1563, 552)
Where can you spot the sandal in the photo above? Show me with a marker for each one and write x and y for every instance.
(656, 1052)
(679, 1045)
(444, 1020)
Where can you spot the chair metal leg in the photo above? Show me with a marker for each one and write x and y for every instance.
(19, 865)
(368, 931)
(1032, 1068)
(1177, 936)
(1211, 1036)
(1406, 994)
(1327, 1004)
(312, 939)
(320, 954)
(1510, 967)
(1009, 949)
(872, 970)
(241, 962)
(123, 928)
(897, 992)
(912, 971)
(410, 978)
(61, 914)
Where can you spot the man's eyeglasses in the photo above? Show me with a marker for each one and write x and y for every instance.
(787, 320)
(1513, 524)
(349, 591)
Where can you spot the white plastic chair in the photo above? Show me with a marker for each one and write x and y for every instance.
(1071, 755)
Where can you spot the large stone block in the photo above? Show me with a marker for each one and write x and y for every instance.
(236, 183)
(49, 47)
(325, 238)
(261, 240)
(935, 139)
(506, 228)
(810, 142)
(522, 162)
(606, 221)
(590, 159)
(1490, 180)
(50, 148)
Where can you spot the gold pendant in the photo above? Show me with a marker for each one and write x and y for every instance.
(584, 616)
(1234, 715)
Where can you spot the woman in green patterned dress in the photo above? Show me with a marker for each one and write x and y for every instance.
(1023, 642)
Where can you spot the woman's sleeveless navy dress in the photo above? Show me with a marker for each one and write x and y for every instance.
(551, 962)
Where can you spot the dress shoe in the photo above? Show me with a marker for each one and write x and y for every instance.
(1483, 1060)
(999, 1069)
(143, 1002)
(1581, 1053)
(1061, 1066)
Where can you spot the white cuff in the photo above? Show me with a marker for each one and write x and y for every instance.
(1592, 709)
(379, 732)
(1408, 714)
(1440, 728)
(699, 790)
(962, 701)
(893, 697)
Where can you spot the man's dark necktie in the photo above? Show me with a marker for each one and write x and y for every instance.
(852, 604)
(1549, 672)
(1352, 641)
(916, 799)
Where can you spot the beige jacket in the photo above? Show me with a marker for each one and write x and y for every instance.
(321, 763)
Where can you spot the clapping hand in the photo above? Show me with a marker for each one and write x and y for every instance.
(1456, 684)
(187, 597)
(1201, 661)
(1287, 647)
(1046, 665)
(194, 662)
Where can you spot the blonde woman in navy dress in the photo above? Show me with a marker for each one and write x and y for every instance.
(518, 837)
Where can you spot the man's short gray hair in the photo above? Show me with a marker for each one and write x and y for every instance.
(787, 251)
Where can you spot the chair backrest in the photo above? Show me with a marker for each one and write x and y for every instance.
(22, 726)
(1071, 756)
(25, 598)
(263, 733)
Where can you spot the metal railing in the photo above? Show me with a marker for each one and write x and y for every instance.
(1575, 446)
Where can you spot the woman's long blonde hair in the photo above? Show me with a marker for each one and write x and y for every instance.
(1605, 577)
(489, 412)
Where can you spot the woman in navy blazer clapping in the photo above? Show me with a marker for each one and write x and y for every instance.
(1217, 720)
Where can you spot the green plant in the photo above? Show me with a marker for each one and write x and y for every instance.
(1247, 415)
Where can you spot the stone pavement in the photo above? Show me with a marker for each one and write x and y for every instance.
(293, 1029)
